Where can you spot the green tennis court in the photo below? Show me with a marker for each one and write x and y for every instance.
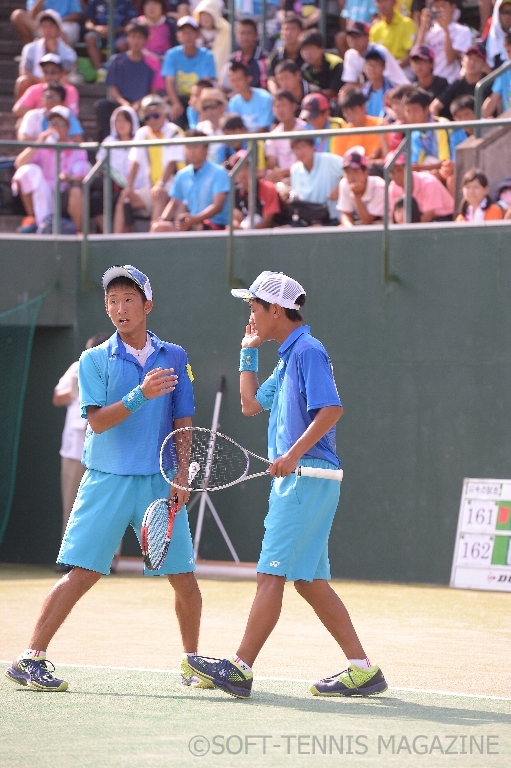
(444, 653)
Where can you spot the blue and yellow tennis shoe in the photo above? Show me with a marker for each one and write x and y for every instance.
(189, 678)
(352, 682)
(35, 674)
(224, 674)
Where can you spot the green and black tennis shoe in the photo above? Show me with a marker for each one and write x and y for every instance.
(35, 675)
(223, 674)
(352, 682)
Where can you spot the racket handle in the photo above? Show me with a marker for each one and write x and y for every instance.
(325, 474)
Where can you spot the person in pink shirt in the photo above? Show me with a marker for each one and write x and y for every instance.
(279, 155)
(434, 201)
(162, 29)
(53, 72)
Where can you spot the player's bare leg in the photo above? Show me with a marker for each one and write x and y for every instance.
(188, 606)
(263, 616)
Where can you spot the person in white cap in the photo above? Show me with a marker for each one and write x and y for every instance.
(53, 73)
(134, 389)
(70, 13)
(304, 406)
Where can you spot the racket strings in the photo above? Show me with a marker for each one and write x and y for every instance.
(156, 525)
(211, 460)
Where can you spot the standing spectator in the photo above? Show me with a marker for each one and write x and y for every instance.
(315, 176)
(434, 201)
(422, 63)
(185, 65)
(279, 155)
(500, 26)
(448, 39)
(428, 148)
(395, 31)
(154, 167)
(353, 106)
(290, 33)
(474, 66)
(34, 178)
(320, 68)
(53, 72)
(73, 437)
(361, 197)
(49, 28)
(267, 204)
(131, 76)
(500, 98)
(96, 36)
(249, 53)
(377, 85)
(162, 27)
(476, 205)
(212, 104)
(357, 34)
(69, 11)
(35, 121)
(316, 111)
(215, 31)
(289, 78)
(254, 105)
(199, 195)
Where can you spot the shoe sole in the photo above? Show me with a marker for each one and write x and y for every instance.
(362, 692)
(35, 687)
(22, 682)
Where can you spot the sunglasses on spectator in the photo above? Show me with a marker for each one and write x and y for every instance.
(153, 116)
(212, 106)
(505, 11)
(51, 95)
(57, 122)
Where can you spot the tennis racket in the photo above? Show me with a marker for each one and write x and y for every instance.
(156, 531)
(216, 461)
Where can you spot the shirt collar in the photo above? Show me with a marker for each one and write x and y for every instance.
(117, 348)
(293, 336)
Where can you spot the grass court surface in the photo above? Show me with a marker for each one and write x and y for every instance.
(445, 654)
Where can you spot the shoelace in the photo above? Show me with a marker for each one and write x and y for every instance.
(44, 672)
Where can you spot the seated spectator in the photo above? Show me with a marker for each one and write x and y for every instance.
(316, 112)
(290, 34)
(361, 197)
(279, 155)
(267, 206)
(496, 53)
(476, 205)
(377, 85)
(152, 167)
(289, 78)
(448, 39)
(34, 178)
(249, 53)
(192, 114)
(500, 99)
(53, 72)
(215, 31)
(254, 105)
(422, 63)
(395, 31)
(462, 108)
(504, 201)
(233, 125)
(162, 27)
(252, 9)
(185, 65)
(354, 11)
(308, 11)
(96, 36)
(434, 201)
(396, 101)
(321, 69)
(474, 67)
(49, 27)
(212, 104)
(399, 214)
(315, 176)
(353, 106)
(35, 121)
(428, 148)
(199, 198)
(357, 35)
(69, 11)
(131, 76)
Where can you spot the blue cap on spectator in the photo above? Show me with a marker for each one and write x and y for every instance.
(132, 273)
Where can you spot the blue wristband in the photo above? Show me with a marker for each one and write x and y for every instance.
(249, 358)
(134, 400)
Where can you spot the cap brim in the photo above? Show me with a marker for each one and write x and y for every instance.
(242, 293)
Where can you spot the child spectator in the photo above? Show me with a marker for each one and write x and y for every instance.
(353, 106)
(448, 39)
(396, 100)
(357, 35)
(422, 63)
(233, 125)
(290, 33)
(254, 105)
(267, 204)
(476, 205)
(321, 69)
(69, 11)
(315, 176)
(462, 108)
(96, 36)
(398, 215)
(35, 121)
(185, 65)
(496, 53)
(215, 31)
(474, 67)
(49, 28)
(162, 28)
(504, 201)
(289, 78)
(279, 155)
(428, 148)
(354, 11)
(361, 197)
(316, 112)
(377, 85)
(434, 201)
(500, 99)
(192, 113)
(53, 72)
(249, 53)
(212, 104)
(395, 31)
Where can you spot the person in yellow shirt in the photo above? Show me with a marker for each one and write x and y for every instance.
(395, 31)
(353, 105)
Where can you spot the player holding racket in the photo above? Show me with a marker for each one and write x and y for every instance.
(134, 388)
(304, 408)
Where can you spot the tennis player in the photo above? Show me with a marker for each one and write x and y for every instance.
(304, 406)
(134, 390)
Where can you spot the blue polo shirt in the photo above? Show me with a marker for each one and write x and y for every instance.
(105, 374)
(188, 70)
(257, 112)
(301, 384)
(196, 189)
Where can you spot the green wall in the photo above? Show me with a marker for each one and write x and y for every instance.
(423, 367)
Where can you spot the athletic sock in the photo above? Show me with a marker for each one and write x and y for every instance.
(31, 653)
(190, 653)
(360, 663)
(240, 663)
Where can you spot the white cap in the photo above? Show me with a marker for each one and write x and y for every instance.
(61, 110)
(187, 21)
(273, 287)
(51, 58)
(50, 14)
(132, 273)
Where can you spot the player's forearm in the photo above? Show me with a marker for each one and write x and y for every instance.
(63, 397)
(102, 419)
(183, 444)
(248, 388)
(323, 421)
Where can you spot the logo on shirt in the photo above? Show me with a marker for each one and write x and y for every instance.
(274, 563)
(191, 561)
(189, 371)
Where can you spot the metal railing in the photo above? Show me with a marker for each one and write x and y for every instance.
(479, 94)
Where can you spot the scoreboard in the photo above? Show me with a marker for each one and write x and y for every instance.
(482, 552)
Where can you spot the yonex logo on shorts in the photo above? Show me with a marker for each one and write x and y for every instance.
(274, 563)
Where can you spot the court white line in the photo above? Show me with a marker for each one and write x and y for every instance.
(283, 680)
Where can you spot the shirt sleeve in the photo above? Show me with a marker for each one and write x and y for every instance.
(68, 379)
(316, 380)
(498, 86)
(91, 382)
(351, 71)
(461, 38)
(376, 204)
(221, 182)
(183, 400)
(266, 391)
(169, 64)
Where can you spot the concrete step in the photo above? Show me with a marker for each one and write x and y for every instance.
(10, 47)
(10, 223)
(10, 70)
(6, 103)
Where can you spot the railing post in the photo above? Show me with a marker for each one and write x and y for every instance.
(407, 146)
(56, 196)
(107, 194)
(387, 277)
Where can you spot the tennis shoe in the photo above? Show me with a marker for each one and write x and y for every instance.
(188, 678)
(224, 674)
(353, 681)
(36, 675)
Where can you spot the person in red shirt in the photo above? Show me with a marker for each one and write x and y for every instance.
(267, 206)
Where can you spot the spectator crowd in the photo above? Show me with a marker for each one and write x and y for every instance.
(173, 74)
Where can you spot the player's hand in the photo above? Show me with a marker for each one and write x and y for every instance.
(158, 382)
(182, 495)
(250, 339)
(283, 466)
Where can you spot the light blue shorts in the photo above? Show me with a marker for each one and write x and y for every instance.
(297, 526)
(104, 507)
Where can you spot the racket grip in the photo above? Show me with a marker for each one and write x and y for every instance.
(325, 474)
